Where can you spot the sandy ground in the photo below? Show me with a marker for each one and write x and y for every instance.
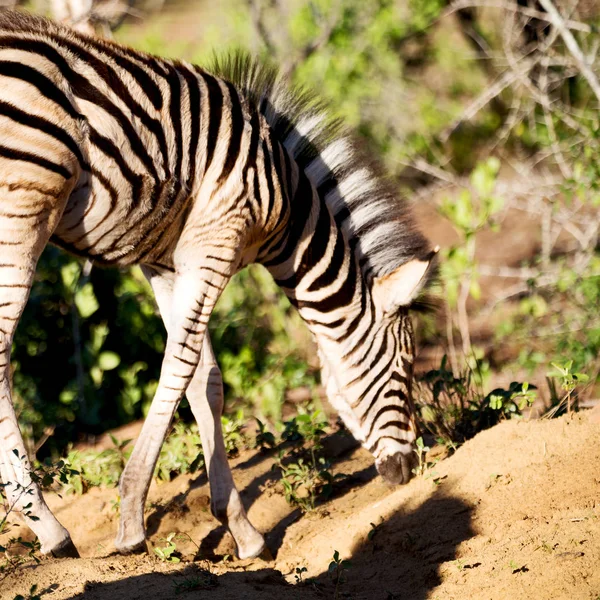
(513, 514)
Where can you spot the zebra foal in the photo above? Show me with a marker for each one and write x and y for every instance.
(125, 158)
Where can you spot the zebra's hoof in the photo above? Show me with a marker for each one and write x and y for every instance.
(139, 548)
(65, 549)
(253, 550)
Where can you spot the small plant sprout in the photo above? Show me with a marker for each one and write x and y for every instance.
(568, 382)
(304, 483)
(32, 595)
(264, 438)
(306, 476)
(421, 451)
(338, 570)
(169, 552)
(373, 531)
(513, 400)
(298, 575)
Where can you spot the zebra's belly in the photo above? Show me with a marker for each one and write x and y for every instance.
(111, 226)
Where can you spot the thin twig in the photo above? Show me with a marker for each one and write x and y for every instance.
(572, 45)
(515, 8)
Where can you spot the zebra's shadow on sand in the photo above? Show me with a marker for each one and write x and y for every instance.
(403, 560)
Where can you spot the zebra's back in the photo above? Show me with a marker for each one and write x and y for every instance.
(131, 122)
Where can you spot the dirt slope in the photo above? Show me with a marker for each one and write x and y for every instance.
(514, 514)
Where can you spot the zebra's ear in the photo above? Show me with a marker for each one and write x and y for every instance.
(400, 287)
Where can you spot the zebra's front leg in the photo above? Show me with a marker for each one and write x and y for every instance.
(192, 302)
(205, 395)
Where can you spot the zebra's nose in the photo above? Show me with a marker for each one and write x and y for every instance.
(396, 468)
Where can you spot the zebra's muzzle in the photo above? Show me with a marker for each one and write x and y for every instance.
(397, 468)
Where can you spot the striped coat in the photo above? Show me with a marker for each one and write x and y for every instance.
(125, 158)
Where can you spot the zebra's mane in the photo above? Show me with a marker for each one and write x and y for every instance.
(376, 221)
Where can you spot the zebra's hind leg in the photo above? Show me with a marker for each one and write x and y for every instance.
(205, 395)
(26, 221)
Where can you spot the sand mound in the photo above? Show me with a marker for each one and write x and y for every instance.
(513, 514)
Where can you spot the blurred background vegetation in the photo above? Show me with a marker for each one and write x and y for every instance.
(483, 113)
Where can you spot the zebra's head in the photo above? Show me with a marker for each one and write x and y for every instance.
(371, 386)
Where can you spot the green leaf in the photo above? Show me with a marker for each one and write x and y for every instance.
(70, 275)
(86, 302)
(108, 361)
(475, 290)
(496, 401)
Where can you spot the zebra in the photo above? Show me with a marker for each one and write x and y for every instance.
(129, 159)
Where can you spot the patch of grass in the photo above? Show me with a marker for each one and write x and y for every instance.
(181, 453)
(201, 579)
(453, 409)
(233, 432)
(306, 475)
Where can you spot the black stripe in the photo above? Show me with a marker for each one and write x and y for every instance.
(400, 378)
(363, 307)
(72, 247)
(381, 411)
(386, 437)
(142, 78)
(298, 221)
(215, 103)
(336, 263)
(268, 170)
(12, 154)
(342, 297)
(45, 126)
(287, 166)
(382, 350)
(156, 65)
(395, 394)
(82, 88)
(254, 138)
(175, 114)
(118, 87)
(194, 116)
(45, 85)
(376, 378)
(110, 150)
(256, 199)
(314, 251)
(236, 130)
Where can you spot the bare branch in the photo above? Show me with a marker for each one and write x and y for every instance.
(256, 12)
(513, 7)
(572, 45)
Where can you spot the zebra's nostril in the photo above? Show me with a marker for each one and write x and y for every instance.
(397, 468)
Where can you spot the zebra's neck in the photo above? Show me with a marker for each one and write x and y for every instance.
(311, 260)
